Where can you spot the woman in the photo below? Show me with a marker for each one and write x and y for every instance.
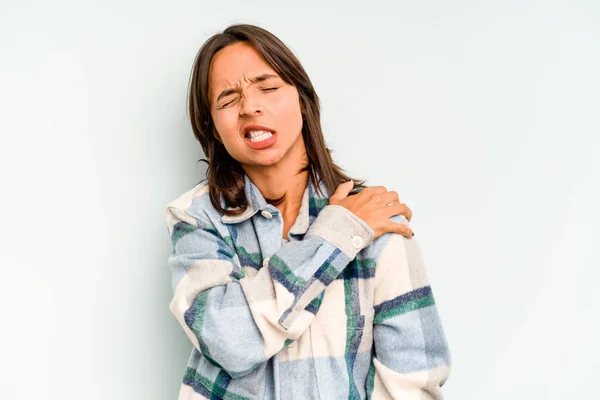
(288, 284)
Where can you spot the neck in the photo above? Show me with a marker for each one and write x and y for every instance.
(276, 182)
(283, 178)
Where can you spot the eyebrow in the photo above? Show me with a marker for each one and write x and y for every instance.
(256, 79)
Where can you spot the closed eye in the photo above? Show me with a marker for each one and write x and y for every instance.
(269, 89)
(228, 103)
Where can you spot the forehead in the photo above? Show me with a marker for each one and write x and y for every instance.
(235, 64)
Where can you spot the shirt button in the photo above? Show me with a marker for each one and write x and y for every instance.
(358, 242)
(266, 214)
(266, 262)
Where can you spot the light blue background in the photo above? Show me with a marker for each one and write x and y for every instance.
(484, 116)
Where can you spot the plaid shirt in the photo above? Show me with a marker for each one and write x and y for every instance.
(329, 314)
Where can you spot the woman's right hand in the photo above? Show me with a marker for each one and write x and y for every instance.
(371, 205)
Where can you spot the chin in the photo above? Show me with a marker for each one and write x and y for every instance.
(269, 161)
(265, 160)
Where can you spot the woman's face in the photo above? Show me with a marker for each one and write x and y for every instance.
(256, 114)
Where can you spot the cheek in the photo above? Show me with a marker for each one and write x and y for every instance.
(288, 114)
(226, 125)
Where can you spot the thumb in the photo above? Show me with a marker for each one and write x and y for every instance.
(343, 190)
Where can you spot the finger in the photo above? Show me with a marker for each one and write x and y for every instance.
(408, 212)
(373, 190)
(387, 198)
(401, 229)
(398, 209)
(394, 209)
(404, 211)
(342, 191)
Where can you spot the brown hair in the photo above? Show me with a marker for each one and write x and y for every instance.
(224, 174)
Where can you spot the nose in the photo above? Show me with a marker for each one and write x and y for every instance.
(249, 106)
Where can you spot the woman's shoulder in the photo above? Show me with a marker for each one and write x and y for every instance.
(194, 202)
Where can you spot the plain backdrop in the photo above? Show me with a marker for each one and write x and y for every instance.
(484, 116)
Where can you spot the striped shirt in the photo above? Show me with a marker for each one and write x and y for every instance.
(328, 314)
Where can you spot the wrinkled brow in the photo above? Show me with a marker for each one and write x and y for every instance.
(256, 79)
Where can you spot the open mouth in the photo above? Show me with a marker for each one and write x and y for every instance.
(258, 136)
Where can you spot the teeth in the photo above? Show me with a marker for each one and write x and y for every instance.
(259, 136)
(256, 133)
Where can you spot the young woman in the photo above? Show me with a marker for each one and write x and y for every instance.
(292, 280)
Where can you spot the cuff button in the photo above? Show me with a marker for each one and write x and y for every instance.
(358, 242)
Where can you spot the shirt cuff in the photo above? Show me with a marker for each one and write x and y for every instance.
(342, 228)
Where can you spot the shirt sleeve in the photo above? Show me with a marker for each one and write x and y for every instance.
(411, 358)
(236, 321)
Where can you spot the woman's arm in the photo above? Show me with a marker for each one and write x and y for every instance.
(239, 322)
(411, 359)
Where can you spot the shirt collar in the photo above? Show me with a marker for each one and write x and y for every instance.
(312, 203)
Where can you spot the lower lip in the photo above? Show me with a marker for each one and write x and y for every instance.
(270, 141)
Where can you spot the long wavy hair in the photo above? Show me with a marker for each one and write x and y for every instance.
(225, 174)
